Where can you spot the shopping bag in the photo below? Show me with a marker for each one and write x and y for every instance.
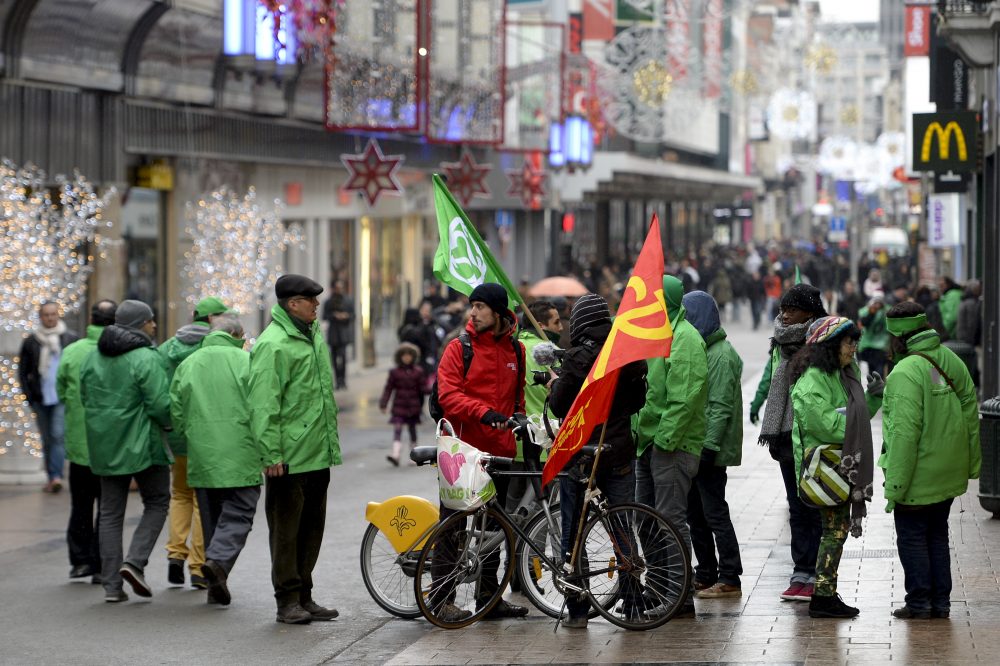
(462, 480)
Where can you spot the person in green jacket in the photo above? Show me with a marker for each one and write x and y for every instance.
(210, 408)
(294, 422)
(874, 345)
(185, 519)
(671, 426)
(84, 485)
(930, 450)
(708, 513)
(126, 402)
(951, 298)
(831, 409)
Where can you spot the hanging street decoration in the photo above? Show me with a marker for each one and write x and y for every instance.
(372, 173)
(466, 178)
(527, 184)
(791, 114)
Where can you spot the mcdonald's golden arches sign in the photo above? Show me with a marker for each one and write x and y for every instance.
(946, 141)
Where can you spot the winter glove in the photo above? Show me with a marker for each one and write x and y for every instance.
(494, 420)
(876, 385)
(754, 414)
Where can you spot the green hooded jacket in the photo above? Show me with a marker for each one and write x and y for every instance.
(724, 410)
(674, 415)
(930, 436)
(68, 389)
(210, 408)
(949, 302)
(534, 395)
(293, 413)
(816, 396)
(126, 401)
(874, 335)
(764, 386)
(174, 351)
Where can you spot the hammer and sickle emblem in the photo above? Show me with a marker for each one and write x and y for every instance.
(625, 322)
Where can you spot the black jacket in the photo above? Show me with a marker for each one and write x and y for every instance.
(27, 367)
(630, 396)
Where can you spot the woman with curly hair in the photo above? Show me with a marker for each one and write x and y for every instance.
(831, 408)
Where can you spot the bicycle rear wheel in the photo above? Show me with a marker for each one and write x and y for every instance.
(388, 575)
(454, 584)
(637, 550)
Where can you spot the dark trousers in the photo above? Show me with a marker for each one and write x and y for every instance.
(339, 355)
(84, 516)
(295, 506)
(875, 358)
(805, 525)
(922, 541)
(446, 556)
(226, 520)
(712, 527)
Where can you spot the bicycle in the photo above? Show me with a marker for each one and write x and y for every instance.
(629, 562)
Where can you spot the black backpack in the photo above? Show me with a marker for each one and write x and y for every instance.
(434, 407)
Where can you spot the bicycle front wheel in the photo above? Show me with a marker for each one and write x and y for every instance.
(636, 552)
(388, 575)
(464, 568)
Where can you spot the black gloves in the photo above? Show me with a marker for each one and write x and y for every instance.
(494, 420)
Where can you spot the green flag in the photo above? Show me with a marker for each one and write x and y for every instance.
(463, 261)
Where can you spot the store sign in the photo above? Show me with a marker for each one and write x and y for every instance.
(946, 141)
(917, 31)
(951, 182)
(949, 75)
(943, 220)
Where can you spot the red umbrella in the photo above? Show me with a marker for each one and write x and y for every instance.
(558, 286)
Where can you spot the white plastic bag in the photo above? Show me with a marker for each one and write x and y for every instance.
(462, 479)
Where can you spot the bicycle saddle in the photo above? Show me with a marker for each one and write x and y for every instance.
(424, 455)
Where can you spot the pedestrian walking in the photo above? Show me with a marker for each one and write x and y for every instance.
(126, 402)
(294, 423)
(84, 485)
(800, 306)
(338, 312)
(712, 528)
(36, 371)
(184, 517)
(671, 425)
(873, 348)
(210, 408)
(405, 387)
(589, 327)
(930, 450)
(831, 409)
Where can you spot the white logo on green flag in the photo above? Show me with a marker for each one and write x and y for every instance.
(465, 261)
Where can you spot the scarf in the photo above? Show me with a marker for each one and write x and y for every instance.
(48, 340)
(776, 428)
(857, 462)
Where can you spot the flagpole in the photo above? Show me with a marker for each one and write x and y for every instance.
(590, 485)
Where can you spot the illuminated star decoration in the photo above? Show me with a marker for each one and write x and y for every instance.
(526, 184)
(372, 173)
(465, 178)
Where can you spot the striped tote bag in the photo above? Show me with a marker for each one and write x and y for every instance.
(821, 484)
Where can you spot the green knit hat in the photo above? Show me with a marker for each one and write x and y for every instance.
(209, 306)
(900, 326)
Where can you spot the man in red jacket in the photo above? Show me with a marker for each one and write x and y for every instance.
(478, 404)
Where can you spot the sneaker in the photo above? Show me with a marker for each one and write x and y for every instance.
(293, 614)
(199, 582)
(805, 592)
(831, 607)
(216, 577)
(115, 597)
(175, 571)
(793, 592)
(720, 591)
(133, 576)
(700, 585)
(451, 613)
(907, 613)
(575, 622)
(505, 609)
(81, 571)
(320, 613)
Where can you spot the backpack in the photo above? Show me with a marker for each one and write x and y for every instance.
(434, 406)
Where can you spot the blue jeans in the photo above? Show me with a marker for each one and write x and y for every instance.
(618, 486)
(922, 541)
(52, 427)
(804, 523)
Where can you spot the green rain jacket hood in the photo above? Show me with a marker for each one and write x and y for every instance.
(210, 408)
(930, 436)
(674, 415)
(125, 396)
(68, 390)
(186, 342)
(293, 414)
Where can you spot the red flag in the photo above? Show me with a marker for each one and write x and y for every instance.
(641, 330)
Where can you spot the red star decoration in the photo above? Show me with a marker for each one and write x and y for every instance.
(465, 178)
(372, 173)
(526, 184)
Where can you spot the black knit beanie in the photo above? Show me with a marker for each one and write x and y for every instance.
(493, 295)
(588, 311)
(805, 297)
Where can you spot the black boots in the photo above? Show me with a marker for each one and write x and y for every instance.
(832, 607)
